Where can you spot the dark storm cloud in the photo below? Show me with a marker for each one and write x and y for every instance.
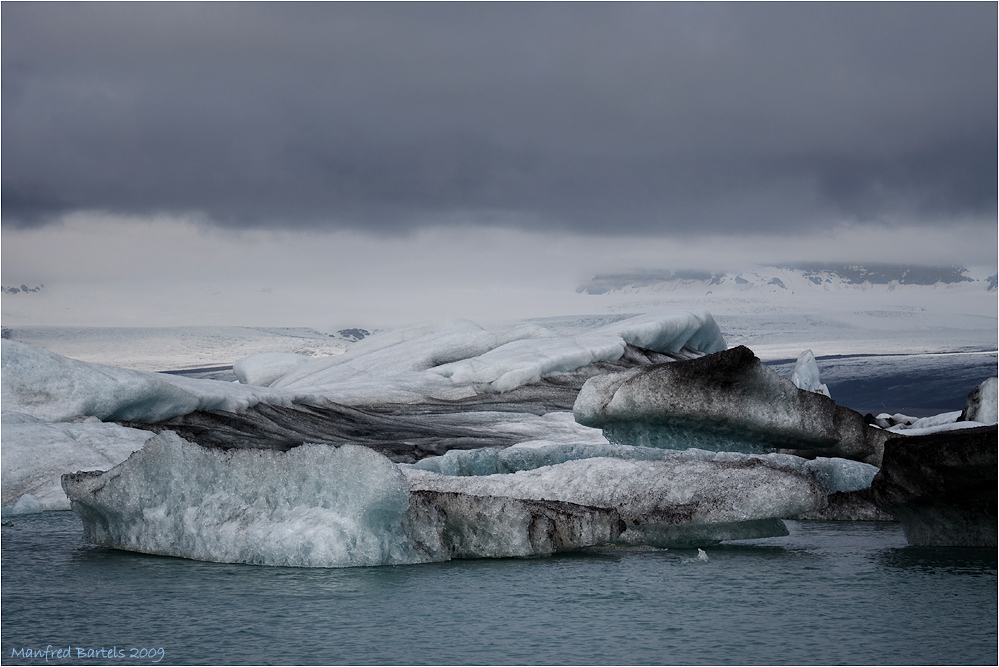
(640, 117)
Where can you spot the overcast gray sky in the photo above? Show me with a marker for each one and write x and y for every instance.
(458, 158)
(606, 118)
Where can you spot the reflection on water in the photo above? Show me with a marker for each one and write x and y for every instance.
(948, 560)
(849, 593)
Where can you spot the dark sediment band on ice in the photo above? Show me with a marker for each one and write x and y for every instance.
(728, 397)
(445, 525)
(848, 506)
(402, 438)
(942, 487)
(405, 433)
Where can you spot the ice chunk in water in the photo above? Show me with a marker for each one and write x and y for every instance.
(806, 374)
(663, 502)
(26, 504)
(314, 506)
(983, 403)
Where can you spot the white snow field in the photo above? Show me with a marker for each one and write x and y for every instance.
(174, 348)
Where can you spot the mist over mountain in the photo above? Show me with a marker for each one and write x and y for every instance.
(789, 278)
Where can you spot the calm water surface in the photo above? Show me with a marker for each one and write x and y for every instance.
(847, 593)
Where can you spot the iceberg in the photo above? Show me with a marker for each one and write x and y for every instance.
(26, 504)
(322, 506)
(458, 360)
(663, 503)
(832, 474)
(53, 388)
(409, 393)
(726, 401)
(313, 506)
(36, 454)
(942, 487)
(806, 374)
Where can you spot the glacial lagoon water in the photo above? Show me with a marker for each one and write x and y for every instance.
(828, 593)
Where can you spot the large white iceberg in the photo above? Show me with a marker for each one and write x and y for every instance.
(313, 506)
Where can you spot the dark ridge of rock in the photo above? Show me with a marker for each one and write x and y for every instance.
(848, 506)
(729, 395)
(354, 334)
(942, 487)
(446, 525)
(882, 274)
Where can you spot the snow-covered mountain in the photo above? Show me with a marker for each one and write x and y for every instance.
(790, 279)
(22, 289)
(833, 309)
